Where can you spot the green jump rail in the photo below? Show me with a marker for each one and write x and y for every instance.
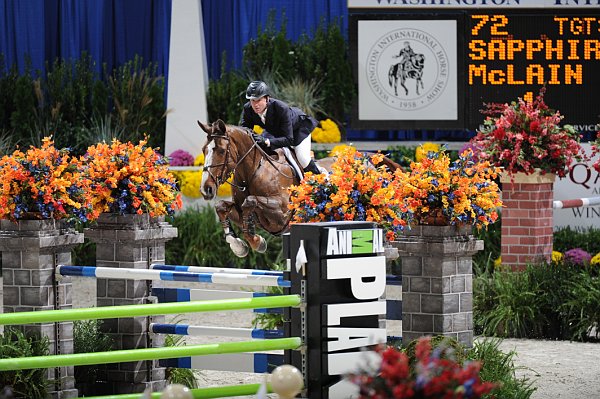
(200, 393)
(110, 312)
(134, 355)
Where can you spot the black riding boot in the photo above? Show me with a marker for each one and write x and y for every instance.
(312, 167)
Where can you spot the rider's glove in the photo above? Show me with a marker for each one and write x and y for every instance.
(260, 140)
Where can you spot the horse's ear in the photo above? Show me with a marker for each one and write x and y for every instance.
(221, 126)
(204, 127)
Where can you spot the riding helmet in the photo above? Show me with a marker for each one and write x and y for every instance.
(256, 90)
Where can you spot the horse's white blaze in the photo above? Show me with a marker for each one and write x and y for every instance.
(207, 163)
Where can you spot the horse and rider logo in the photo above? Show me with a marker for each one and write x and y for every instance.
(409, 66)
(402, 57)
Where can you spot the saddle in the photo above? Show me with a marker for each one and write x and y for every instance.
(291, 159)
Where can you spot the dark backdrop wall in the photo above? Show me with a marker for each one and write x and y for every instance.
(111, 31)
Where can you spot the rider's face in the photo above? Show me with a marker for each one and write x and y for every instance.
(259, 105)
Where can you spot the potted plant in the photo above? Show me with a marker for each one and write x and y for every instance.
(596, 150)
(44, 183)
(131, 178)
(434, 191)
(526, 137)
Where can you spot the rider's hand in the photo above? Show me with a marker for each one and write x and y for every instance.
(260, 140)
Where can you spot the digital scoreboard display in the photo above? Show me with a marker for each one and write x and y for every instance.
(434, 67)
(513, 54)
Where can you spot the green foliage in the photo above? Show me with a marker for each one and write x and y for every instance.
(186, 377)
(24, 383)
(314, 74)
(491, 236)
(201, 242)
(401, 154)
(226, 96)
(79, 108)
(587, 239)
(515, 308)
(499, 367)
(88, 338)
(137, 94)
(551, 301)
(581, 308)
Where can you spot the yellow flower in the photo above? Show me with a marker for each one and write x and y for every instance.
(424, 149)
(557, 256)
(199, 161)
(498, 262)
(190, 183)
(225, 188)
(595, 261)
(339, 149)
(327, 132)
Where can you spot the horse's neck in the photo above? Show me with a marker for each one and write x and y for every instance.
(246, 159)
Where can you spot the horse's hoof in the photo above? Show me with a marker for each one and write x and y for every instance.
(239, 247)
(262, 246)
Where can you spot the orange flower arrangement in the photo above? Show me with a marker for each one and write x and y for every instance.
(44, 183)
(435, 191)
(128, 178)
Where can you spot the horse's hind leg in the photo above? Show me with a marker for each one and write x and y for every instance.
(226, 211)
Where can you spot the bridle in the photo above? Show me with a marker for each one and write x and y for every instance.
(220, 179)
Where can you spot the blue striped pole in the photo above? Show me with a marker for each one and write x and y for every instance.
(149, 274)
(209, 269)
(186, 329)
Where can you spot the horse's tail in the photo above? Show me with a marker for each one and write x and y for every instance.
(392, 74)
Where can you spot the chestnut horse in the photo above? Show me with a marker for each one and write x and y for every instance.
(259, 186)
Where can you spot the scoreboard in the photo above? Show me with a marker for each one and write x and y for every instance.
(471, 55)
(510, 55)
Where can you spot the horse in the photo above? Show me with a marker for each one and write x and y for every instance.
(412, 68)
(259, 186)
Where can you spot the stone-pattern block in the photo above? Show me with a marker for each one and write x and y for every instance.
(130, 241)
(527, 222)
(31, 250)
(437, 282)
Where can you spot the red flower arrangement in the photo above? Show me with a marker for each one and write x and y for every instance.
(526, 137)
(432, 376)
(596, 150)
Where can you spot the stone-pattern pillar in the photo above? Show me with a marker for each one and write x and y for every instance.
(527, 223)
(31, 250)
(130, 241)
(437, 282)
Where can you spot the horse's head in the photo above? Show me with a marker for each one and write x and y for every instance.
(218, 164)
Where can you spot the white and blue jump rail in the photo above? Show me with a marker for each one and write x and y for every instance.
(238, 362)
(210, 269)
(203, 331)
(265, 280)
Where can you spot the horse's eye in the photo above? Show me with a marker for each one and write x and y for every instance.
(219, 151)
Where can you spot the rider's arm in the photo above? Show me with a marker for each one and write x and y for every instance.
(285, 131)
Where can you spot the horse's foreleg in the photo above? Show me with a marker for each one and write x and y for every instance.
(256, 242)
(227, 212)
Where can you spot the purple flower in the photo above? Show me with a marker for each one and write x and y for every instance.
(181, 158)
(577, 256)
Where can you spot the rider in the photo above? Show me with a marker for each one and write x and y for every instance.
(284, 126)
(405, 54)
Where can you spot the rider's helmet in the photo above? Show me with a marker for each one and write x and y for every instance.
(257, 90)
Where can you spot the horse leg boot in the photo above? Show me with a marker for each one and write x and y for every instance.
(225, 210)
(312, 167)
(255, 241)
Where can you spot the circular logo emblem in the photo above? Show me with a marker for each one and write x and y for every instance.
(407, 69)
